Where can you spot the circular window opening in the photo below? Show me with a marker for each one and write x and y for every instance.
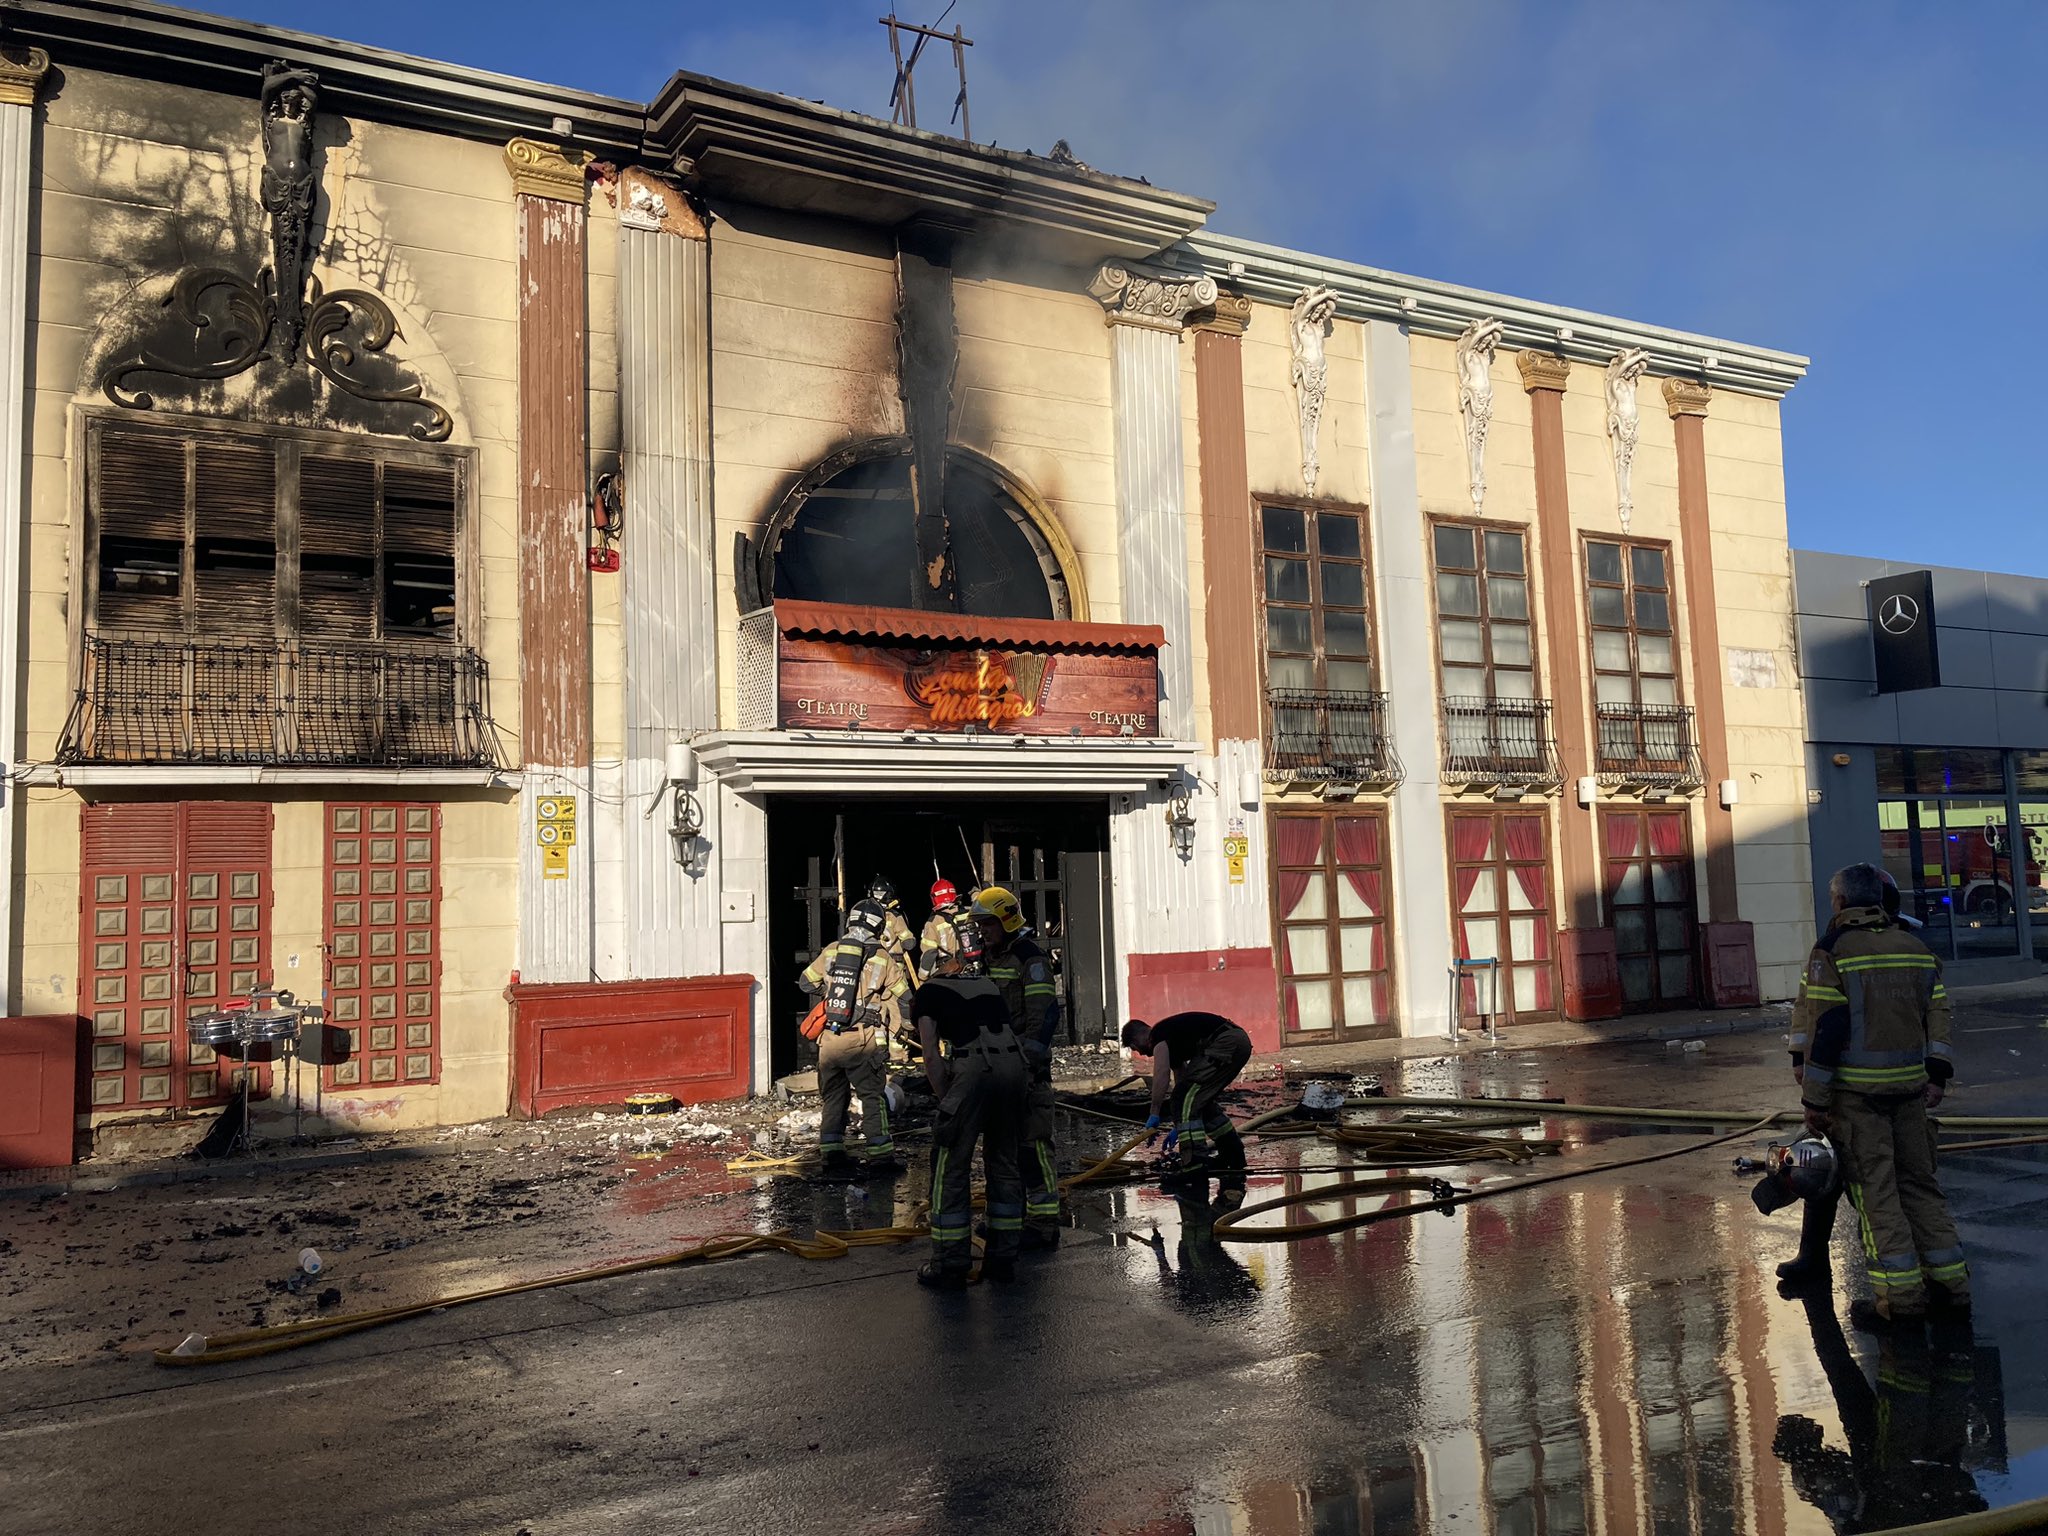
(847, 534)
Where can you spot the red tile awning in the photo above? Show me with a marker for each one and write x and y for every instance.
(844, 621)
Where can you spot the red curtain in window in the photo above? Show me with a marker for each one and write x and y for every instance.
(1524, 837)
(1624, 835)
(1667, 833)
(1358, 850)
(1296, 840)
(1471, 839)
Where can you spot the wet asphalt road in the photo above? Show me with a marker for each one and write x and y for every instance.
(1604, 1355)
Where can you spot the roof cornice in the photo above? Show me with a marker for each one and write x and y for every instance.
(162, 42)
(1431, 308)
(759, 147)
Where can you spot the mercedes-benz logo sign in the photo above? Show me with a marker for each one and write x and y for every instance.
(1899, 614)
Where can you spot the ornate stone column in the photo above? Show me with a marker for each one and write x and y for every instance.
(1592, 983)
(554, 582)
(1146, 310)
(1727, 937)
(670, 609)
(21, 74)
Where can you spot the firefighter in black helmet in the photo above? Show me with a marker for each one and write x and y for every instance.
(1023, 974)
(862, 979)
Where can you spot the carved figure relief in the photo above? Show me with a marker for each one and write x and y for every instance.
(1308, 325)
(1624, 423)
(221, 323)
(1476, 346)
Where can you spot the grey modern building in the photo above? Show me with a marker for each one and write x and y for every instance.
(1932, 782)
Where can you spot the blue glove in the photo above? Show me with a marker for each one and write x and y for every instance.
(1172, 1139)
(1152, 1125)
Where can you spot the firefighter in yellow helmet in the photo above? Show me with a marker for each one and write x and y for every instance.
(1022, 972)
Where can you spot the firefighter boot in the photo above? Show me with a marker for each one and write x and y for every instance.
(1809, 1271)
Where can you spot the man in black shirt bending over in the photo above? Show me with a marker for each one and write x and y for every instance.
(981, 1082)
(1201, 1054)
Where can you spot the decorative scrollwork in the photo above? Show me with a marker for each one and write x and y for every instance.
(222, 322)
(340, 329)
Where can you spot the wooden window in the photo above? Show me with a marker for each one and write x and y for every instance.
(1628, 600)
(1330, 902)
(1318, 617)
(211, 530)
(1484, 641)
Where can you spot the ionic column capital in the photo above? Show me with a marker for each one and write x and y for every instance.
(1687, 397)
(21, 74)
(1230, 315)
(1543, 370)
(1157, 300)
(546, 170)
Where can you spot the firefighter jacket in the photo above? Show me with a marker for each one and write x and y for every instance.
(1024, 976)
(1872, 1015)
(950, 944)
(861, 983)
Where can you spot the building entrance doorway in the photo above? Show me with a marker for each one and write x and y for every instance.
(1053, 854)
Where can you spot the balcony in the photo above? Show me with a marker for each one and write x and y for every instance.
(1334, 738)
(1501, 742)
(1648, 746)
(279, 704)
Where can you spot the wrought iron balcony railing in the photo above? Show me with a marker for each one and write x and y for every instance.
(1648, 744)
(281, 704)
(1341, 737)
(1499, 741)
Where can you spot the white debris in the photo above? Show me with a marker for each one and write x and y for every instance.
(799, 1121)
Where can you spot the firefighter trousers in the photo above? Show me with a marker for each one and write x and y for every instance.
(1909, 1239)
(854, 1061)
(1817, 1221)
(984, 1101)
(1035, 1154)
(1198, 1117)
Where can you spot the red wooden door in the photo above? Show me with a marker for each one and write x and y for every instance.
(383, 941)
(174, 907)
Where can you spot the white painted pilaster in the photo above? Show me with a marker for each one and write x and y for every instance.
(20, 73)
(1401, 568)
(671, 917)
(1145, 311)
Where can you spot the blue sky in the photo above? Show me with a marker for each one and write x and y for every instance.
(1862, 183)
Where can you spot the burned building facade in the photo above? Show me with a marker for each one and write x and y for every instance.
(511, 562)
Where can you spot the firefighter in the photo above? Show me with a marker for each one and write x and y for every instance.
(862, 979)
(981, 1084)
(1200, 1055)
(895, 928)
(951, 942)
(1875, 1018)
(1810, 1269)
(1023, 974)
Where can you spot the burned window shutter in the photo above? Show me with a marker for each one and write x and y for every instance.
(338, 546)
(420, 532)
(139, 511)
(234, 538)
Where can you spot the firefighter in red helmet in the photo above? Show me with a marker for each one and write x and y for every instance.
(951, 942)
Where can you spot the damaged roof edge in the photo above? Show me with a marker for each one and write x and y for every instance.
(1276, 274)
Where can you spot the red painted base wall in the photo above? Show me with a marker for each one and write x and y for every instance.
(38, 1090)
(597, 1042)
(1240, 984)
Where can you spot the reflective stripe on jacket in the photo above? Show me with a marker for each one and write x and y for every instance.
(1872, 1011)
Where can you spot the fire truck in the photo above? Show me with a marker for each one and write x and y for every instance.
(1980, 866)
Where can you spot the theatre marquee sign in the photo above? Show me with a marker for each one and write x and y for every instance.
(878, 669)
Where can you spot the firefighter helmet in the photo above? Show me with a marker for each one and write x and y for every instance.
(1809, 1167)
(881, 890)
(866, 922)
(1000, 906)
(943, 894)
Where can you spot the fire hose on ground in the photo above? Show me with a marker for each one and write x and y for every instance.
(1387, 1143)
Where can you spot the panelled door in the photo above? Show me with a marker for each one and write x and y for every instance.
(1500, 878)
(383, 941)
(175, 920)
(1330, 914)
(1650, 906)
